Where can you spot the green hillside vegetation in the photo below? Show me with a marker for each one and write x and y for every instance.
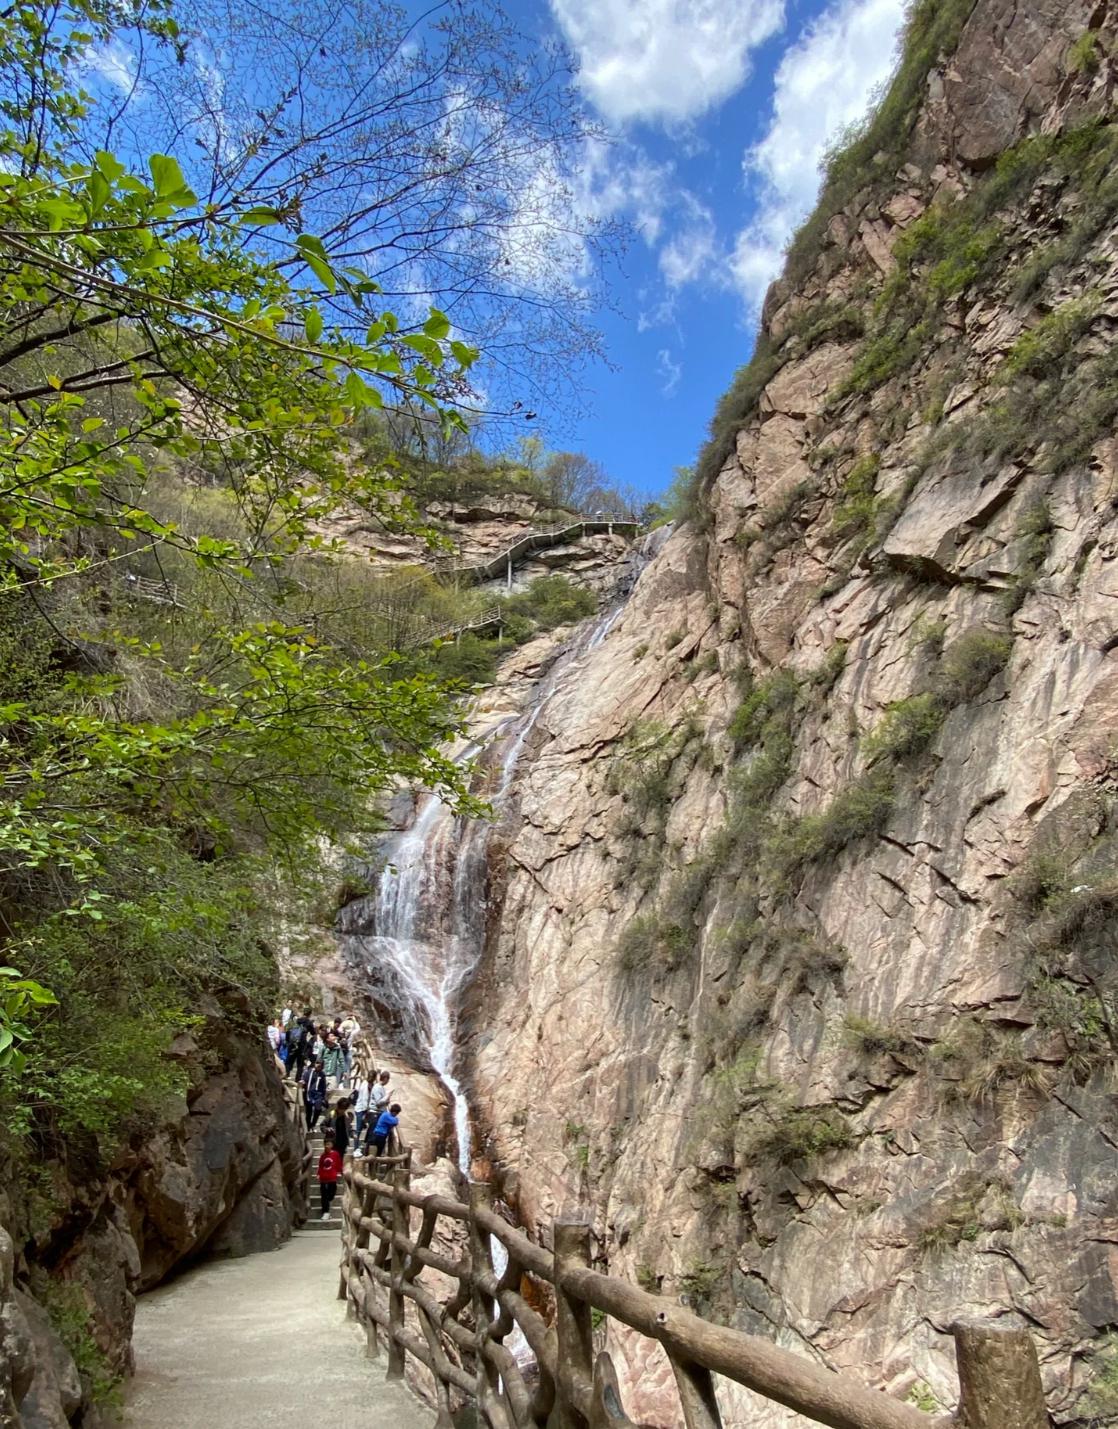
(435, 465)
(196, 689)
(194, 693)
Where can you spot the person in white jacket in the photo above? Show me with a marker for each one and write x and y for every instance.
(362, 1093)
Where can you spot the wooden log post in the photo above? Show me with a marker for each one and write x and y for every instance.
(999, 1377)
(696, 1395)
(401, 1220)
(574, 1330)
(488, 1389)
(606, 1409)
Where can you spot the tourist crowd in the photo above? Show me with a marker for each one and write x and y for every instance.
(319, 1058)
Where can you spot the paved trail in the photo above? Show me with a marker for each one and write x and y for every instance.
(261, 1341)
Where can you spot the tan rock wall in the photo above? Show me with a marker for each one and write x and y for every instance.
(969, 1176)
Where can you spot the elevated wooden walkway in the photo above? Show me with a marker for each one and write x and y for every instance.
(461, 1337)
(490, 619)
(504, 563)
(158, 592)
(506, 560)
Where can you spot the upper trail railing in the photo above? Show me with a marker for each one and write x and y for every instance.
(461, 1339)
(503, 562)
(160, 592)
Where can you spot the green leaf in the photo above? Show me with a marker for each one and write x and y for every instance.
(313, 325)
(308, 243)
(427, 348)
(260, 217)
(437, 325)
(464, 354)
(166, 175)
(109, 165)
(356, 391)
(314, 254)
(97, 186)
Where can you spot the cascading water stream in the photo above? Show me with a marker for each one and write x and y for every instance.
(420, 936)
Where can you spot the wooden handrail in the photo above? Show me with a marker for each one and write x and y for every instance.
(159, 592)
(537, 540)
(490, 617)
(998, 1367)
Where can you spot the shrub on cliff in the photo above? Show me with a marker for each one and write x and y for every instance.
(969, 663)
(551, 601)
(784, 1133)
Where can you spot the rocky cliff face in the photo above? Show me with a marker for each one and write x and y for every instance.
(802, 978)
(225, 1178)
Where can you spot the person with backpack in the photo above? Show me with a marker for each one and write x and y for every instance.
(333, 1060)
(296, 1052)
(387, 1123)
(299, 1037)
(329, 1169)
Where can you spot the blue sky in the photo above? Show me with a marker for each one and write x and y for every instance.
(721, 110)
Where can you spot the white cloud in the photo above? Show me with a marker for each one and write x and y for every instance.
(115, 63)
(656, 310)
(824, 82)
(668, 371)
(664, 59)
(689, 255)
(559, 193)
(619, 180)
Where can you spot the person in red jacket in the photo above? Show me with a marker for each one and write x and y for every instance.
(329, 1169)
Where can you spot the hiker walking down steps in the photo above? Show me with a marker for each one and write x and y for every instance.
(341, 1126)
(300, 1040)
(329, 1169)
(314, 1093)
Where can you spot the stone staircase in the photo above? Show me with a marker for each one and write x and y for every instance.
(315, 1223)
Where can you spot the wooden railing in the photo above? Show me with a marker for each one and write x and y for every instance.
(485, 621)
(461, 1338)
(159, 592)
(297, 1115)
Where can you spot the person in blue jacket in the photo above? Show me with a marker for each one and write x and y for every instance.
(386, 1124)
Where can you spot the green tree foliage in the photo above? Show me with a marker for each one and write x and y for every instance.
(186, 695)
(18, 995)
(551, 601)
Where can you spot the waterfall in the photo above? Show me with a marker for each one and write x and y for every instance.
(420, 935)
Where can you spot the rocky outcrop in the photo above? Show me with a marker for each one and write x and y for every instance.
(475, 532)
(224, 1177)
(802, 980)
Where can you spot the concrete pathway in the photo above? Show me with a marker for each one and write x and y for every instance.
(261, 1341)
